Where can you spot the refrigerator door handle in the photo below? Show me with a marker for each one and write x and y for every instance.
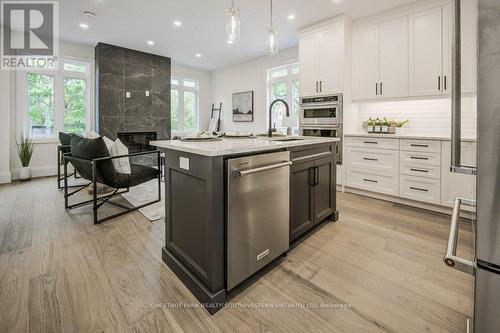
(450, 257)
(456, 98)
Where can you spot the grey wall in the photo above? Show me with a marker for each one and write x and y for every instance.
(120, 70)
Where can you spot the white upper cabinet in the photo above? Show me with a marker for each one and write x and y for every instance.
(394, 58)
(331, 60)
(308, 64)
(425, 53)
(381, 60)
(411, 56)
(469, 46)
(366, 55)
(321, 60)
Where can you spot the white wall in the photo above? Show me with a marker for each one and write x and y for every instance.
(44, 160)
(428, 117)
(4, 126)
(250, 75)
(203, 78)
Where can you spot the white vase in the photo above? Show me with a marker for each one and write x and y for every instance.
(400, 130)
(25, 173)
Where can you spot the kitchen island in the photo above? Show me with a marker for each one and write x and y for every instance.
(234, 205)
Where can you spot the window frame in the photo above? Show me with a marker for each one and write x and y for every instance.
(181, 88)
(59, 75)
(287, 79)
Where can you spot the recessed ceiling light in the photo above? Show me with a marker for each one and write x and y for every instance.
(150, 42)
(84, 26)
(337, 1)
(177, 23)
(230, 42)
(291, 17)
(198, 55)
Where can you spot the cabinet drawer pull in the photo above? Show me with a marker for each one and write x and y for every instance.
(419, 189)
(439, 82)
(419, 158)
(370, 159)
(419, 170)
(419, 145)
(371, 142)
(370, 180)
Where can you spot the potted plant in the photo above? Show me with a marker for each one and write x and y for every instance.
(25, 148)
(399, 126)
(377, 125)
(384, 125)
(370, 125)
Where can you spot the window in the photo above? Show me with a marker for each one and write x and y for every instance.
(184, 105)
(283, 83)
(55, 100)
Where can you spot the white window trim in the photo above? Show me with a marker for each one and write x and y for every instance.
(22, 97)
(181, 89)
(288, 79)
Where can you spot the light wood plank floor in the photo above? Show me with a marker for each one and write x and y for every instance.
(60, 273)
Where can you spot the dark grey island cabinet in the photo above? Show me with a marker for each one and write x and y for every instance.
(312, 188)
(196, 199)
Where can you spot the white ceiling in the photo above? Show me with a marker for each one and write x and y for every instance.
(131, 23)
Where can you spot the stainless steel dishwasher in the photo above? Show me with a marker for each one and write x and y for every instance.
(258, 211)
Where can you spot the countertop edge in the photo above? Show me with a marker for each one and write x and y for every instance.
(411, 137)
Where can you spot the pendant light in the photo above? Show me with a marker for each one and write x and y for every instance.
(232, 24)
(272, 37)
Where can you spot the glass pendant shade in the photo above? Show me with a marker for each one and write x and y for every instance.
(272, 41)
(233, 25)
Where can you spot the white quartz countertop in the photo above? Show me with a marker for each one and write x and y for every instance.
(404, 136)
(230, 146)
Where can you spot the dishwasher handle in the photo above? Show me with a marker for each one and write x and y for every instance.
(242, 173)
(450, 257)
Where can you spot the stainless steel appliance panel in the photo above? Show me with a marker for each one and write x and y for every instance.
(334, 131)
(257, 213)
(487, 305)
(488, 173)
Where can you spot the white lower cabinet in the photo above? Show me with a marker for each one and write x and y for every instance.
(420, 189)
(413, 169)
(457, 185)
(373, 181)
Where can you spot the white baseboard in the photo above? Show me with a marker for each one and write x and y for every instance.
(5, 177)
(40, 171)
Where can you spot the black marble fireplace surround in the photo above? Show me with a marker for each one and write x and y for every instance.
(120, 71)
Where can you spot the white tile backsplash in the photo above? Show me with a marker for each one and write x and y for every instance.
(427, 117)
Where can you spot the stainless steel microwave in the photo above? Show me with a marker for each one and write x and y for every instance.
(322, 110)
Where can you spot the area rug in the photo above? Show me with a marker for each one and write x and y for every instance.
(144, 193)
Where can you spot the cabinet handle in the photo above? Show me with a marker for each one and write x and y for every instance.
(370, 180)
(419, 170)
(419, 158)
(419, 145)
(445, 83)
(419, 189)
(317, 90)
(381, 88)
(316, 175)
(371, 142)
(439, 83)
(321, 86)
(376, 88)
(370, 159)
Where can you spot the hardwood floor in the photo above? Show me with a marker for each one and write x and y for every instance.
(379, 269)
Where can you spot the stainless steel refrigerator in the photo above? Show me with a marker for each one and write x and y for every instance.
(486, 265)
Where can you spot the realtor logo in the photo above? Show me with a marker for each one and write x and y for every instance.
(29, 35)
